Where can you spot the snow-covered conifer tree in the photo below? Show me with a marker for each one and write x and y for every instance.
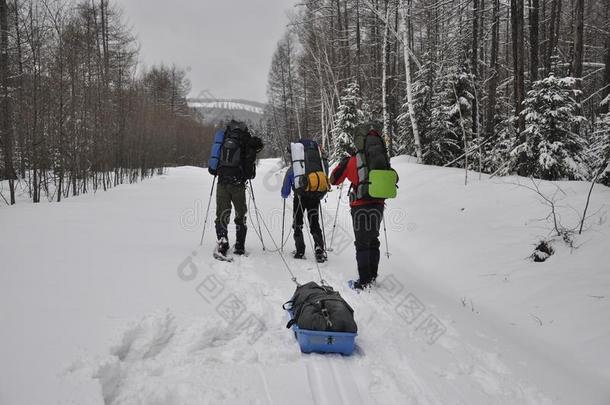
(348, 116)
(451, 118)
(553, 146)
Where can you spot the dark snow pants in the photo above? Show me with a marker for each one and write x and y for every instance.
(367, 222)
(227, 194)
(301, 204)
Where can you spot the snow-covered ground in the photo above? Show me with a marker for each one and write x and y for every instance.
(108, 299)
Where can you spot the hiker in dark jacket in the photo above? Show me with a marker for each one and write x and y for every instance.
(232, 179)
(367, 215)
(310, 202)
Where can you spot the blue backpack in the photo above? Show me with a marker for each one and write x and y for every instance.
(214, 160)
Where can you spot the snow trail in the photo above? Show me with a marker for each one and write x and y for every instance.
(213, 332)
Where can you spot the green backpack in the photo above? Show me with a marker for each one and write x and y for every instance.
(377, 179)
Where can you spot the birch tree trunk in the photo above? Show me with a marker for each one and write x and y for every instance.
(405, 47)
(358, 50)
(384, 80)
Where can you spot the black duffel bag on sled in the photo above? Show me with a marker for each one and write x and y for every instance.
(320, 308)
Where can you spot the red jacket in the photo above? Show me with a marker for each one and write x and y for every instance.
(348, 169)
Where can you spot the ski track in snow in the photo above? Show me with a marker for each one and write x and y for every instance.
(192, 355)
(154, 350)
(388, 371)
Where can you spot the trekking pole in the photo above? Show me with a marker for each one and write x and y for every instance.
(321, 215)
(385, 231)
(260, 231)
(283, 220)
(207, 213)
(332, 237)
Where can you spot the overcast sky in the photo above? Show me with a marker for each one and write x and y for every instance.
(226, 45)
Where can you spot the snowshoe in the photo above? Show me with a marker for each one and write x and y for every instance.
(221, 251)
(222, 258)
(239, 250)
(356, 285)
(298, 255)
(321, 255)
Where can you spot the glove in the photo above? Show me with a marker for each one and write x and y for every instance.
(339, 170)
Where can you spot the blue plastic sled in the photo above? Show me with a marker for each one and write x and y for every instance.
(324, 342)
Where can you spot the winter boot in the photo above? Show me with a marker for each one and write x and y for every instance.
(240, 240)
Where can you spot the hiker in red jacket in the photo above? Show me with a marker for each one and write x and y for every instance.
(367, 215)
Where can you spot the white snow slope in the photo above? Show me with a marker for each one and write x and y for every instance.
(226, 105)
(108, 299)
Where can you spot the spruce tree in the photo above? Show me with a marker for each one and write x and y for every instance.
(346, 119)
(451, 117)
(553, 147)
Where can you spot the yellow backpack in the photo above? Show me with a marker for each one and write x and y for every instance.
(317, 182)
(309, 168)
